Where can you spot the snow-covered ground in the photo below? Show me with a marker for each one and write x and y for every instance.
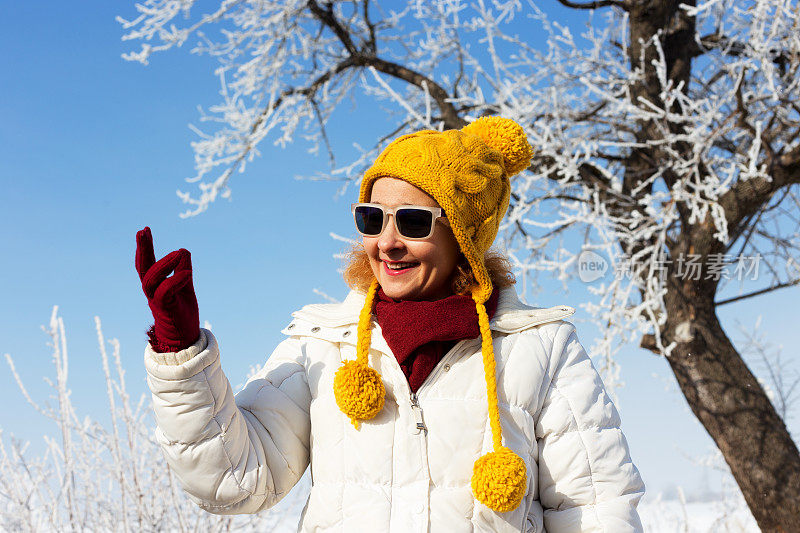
(674, 516)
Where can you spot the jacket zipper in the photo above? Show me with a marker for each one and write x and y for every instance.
(419, 423)
(417, 410)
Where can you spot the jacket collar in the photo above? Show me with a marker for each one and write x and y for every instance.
(511, 316)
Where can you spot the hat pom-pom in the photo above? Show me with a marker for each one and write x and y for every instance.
(505, 136)
(359, 391)
(499, 480)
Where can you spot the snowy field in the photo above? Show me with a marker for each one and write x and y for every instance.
(673, 516)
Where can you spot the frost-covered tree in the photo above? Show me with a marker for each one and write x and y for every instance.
(665, 138)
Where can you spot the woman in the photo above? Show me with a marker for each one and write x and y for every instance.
(430, 399)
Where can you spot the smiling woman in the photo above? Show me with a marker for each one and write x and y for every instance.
(407, 269)
(454, 407)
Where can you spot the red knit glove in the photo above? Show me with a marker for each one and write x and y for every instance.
(171, 299)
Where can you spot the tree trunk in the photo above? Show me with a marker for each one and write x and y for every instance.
(732, 406)
(720, 389)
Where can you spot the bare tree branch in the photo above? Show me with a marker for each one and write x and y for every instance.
(595, 5)
(758, 293)
(451, 117)
(329, 19)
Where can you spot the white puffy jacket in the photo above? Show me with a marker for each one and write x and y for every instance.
(408, 469)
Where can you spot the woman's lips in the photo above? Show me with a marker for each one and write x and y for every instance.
(398, 272)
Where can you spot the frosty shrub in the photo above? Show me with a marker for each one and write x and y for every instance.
(96, 478)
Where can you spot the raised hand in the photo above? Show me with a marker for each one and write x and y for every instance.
(171, 298)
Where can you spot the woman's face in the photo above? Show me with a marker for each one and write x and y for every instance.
(427, 265)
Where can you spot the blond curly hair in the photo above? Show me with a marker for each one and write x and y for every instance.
(358, 272)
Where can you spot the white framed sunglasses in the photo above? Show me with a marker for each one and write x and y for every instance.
(414, 222)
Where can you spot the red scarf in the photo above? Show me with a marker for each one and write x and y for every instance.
(421, 333)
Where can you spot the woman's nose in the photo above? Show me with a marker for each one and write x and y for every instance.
(389, 239)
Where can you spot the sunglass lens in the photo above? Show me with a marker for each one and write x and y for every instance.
(369, 219)
(414, 223)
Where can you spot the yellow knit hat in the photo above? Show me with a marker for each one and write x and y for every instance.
(467, 172)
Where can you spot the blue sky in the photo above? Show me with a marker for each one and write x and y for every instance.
(93, 148)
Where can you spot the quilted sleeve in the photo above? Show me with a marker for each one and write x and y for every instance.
(587, 481)
(232, 454)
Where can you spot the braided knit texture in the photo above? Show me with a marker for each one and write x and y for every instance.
(357, 387)
(467, 172)
(487, 350)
